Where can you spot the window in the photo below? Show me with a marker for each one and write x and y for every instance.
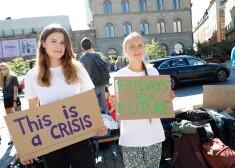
(107, 7)
(194, 61)
(159, 5)
(144, 28)
(175, 4)
(222, 13)
(126, 28)
(165, 64)
(178, 48)
(221, 3)
(125, 6)
(223, 37)
(109, 30)
(160, 27)
(142, 5)
(177, 25)
(222, 25)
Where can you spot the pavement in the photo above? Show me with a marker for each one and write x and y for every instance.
(110, 153)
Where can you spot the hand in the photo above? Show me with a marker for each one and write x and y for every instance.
(102, 132)
(172, 94)
(14, 105)
(27, 161)
(112, 100)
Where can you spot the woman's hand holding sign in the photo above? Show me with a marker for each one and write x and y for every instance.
(102, 132)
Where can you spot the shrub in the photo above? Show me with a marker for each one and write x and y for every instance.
(19, 66)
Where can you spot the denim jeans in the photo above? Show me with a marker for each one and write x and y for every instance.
(100, 94)
(78, 155)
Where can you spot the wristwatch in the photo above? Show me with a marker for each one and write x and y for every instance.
(14, 100)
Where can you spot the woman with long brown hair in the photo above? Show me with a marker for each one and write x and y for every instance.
(58, 75)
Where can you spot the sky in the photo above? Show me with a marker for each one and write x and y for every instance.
(75, 9)
(198, 9)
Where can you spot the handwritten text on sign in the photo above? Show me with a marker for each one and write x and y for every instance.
(55, 125)
(143, 97)
(73, 123)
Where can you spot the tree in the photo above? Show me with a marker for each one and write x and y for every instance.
(155, 50)
(203, 48)
(19, 66)
(218, 49)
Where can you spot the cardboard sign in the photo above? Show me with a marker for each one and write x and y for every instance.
(143, 97)
(219, 97)
(38, 131)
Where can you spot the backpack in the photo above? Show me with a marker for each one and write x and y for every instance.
(215, 152)
(100, 72)
(187, 152)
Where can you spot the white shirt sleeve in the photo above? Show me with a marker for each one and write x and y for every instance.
(29, 80)
(86, 82)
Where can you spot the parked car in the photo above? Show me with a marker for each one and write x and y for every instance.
(188, 69)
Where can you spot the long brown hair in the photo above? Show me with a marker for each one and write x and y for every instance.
(69, 65)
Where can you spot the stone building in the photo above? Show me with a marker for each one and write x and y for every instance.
(211, 27)
(230, 22)
(167, 21)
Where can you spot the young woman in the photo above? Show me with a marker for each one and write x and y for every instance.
(9, 84)
(57, 76)
(141, 140)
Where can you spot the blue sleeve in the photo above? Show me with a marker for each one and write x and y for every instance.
(233, 54)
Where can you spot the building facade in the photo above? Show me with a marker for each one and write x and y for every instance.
(167, 21)
(230, 21)
(211, 27)
(19, 37)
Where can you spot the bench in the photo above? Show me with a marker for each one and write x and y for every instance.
(110, 137)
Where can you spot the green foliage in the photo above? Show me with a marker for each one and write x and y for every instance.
(19, 66)
(155, 50)
(189, 52)
(203, 48)
(206, 49)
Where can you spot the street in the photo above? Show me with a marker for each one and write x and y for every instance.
(186, 97)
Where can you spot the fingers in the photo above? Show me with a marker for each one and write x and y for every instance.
(27, 162)
(102, 132)
(172, 94)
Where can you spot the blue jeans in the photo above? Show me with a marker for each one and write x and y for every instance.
(100, 94)
(78, 155)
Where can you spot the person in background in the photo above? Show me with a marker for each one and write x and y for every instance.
(32, 63)
(117, 63)
(233, 58)
(174, 54)
(140, 139)
(110, 105)
(57, 76)
(9, 84)
(87, 60)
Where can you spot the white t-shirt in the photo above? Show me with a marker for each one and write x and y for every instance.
(140, 133)
(59, 89)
